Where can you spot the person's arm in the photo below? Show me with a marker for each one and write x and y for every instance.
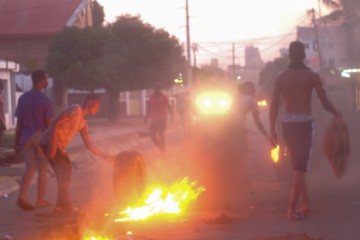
(88, 144)
(274, 111)
(260, 125)
(18, 130)
(327, 105)
(49, 115)
(48, 121)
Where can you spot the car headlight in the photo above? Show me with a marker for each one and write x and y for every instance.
(213, 103)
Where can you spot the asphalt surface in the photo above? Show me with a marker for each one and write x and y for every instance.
(255, 209)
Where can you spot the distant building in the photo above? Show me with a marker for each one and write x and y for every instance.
(332, 46)
(334, 51)
(253, 64)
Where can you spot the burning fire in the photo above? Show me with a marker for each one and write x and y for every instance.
(275, 153)
(163, 201)
(95, 237)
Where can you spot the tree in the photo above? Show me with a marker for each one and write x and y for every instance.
(74, 60)
(270, 71)
(98, 14)
(127, 55)
(137, 56)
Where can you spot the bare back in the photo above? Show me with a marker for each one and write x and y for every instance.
(296, 86)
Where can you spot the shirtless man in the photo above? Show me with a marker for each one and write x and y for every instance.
(295, 86)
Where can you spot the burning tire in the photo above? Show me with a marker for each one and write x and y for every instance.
(128, 178)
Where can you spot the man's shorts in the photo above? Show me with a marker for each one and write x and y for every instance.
(298, 137)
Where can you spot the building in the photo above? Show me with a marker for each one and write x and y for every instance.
(27, 28)
(253, 64)
(333, 50)
(7, 70)
(332, 46)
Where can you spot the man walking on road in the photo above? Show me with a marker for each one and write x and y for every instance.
(56, 138)
(34, 113)
(159, 107)
(295, 86)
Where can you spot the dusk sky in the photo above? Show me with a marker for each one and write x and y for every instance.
(216, 25)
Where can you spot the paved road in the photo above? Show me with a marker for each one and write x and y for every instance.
(256, 210)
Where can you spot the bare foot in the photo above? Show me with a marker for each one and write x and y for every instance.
(23, 204)
(42, 204)
(304, 211)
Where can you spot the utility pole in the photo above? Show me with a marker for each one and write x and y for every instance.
(194, 47)
(233, 60)
(233, 54)
(188, 49)
(317, 41)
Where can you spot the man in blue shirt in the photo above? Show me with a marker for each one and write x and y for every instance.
(34, 114)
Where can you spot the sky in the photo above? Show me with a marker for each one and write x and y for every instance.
(217, 26)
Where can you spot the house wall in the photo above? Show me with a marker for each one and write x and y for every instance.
(31, 51)
(7, 70)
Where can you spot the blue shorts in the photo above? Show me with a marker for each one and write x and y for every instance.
(298, 138)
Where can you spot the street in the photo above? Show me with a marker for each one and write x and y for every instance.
(255, 211)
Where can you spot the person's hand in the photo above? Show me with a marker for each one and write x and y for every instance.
(51, 152)
(273, 139)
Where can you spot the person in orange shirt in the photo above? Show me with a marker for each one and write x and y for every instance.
(159, 107)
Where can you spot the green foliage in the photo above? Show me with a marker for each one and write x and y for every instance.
(138, 55)
(270, 71)
(74, 57)
(8, 138)
(98, 14)
(127, 55)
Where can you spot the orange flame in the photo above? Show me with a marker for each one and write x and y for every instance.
(275, 154)
(162, 201)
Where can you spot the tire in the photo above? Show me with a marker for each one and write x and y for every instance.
(128, 178)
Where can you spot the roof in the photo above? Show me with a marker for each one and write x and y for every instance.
(21, 18)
